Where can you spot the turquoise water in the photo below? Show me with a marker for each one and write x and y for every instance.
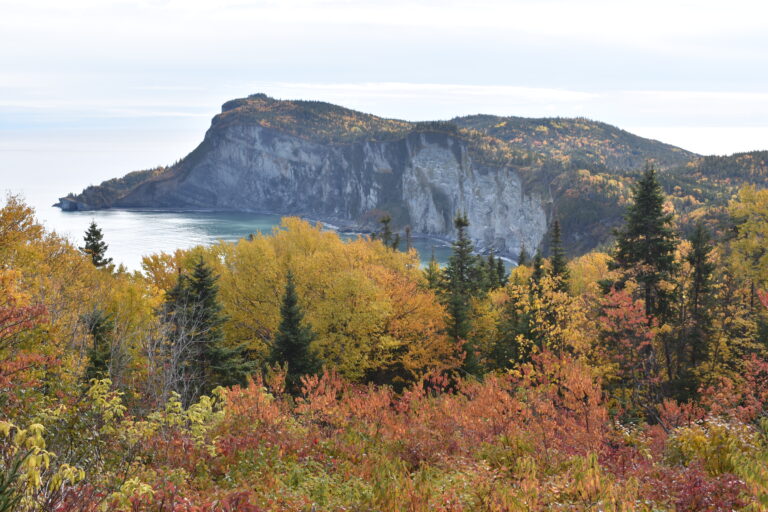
(133, 234)
(43, 169)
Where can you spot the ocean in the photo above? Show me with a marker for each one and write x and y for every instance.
(42, 169)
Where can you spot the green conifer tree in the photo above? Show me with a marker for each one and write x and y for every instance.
(179, 353)
(433, 273)
(460, 285)
(557, 258)
(538, 269)
(100, 326)
(395, 242)
(501, 273)
(408, 239)
(220, 364)
(523, 259)
(700, 290)
(95, 246)
(645, 246)
(386, 235)
(491, 271)
(513, 324)
(202, 358)
(291, 345)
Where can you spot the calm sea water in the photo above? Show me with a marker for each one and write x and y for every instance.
(42, 170)
(133, 234)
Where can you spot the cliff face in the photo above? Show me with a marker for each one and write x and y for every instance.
(422, 179)
(329, 163)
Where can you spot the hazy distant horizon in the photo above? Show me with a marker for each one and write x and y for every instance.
(93, 89)
(24, 128)
(691, 74)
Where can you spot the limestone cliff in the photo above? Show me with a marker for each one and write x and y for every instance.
(422, 180)
(336, 165)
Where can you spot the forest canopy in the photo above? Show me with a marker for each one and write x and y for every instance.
(298, 371)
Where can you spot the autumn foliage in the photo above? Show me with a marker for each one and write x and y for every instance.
(573, 407)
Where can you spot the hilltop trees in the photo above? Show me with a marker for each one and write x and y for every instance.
(373, 315)
(95, 246)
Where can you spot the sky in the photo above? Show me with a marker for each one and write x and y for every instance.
(145, 77)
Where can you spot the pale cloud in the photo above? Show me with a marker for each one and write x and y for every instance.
(702, 121)
(708, 140)
(633, 21)
(663, 66)
(674, 26)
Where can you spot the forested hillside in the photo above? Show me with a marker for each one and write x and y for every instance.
(297, 371)
(583, 142)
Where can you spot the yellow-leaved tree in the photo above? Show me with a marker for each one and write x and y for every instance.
(372, 316)
(749, 258)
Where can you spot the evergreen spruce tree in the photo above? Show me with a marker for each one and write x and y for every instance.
(491, 261)
(203, 361)
(395, 242)
(220, 364)
(507, 351)
(523, 259)
(432, 273)
(699, 296)
(538, 269)
(460, 285)
(408, 239)
(492, 271)
(501, 273)
(557, 258)
(95, 246)
(180, 354)
(646, 245)
(176, 299)
(291, 345)
(100, 326)
(386, 230)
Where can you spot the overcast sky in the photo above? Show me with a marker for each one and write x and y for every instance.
(692, 73)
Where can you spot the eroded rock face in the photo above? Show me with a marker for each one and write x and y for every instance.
(442, 181)
(70, 205)
(422, 180)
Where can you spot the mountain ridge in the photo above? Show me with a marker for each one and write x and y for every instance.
(363, 165)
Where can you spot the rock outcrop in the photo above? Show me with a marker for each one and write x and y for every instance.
(421, 180)
(336, 165)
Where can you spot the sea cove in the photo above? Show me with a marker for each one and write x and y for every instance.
(132, 234)
(25, 169)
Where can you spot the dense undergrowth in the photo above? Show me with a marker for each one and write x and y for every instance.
(578, 396)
